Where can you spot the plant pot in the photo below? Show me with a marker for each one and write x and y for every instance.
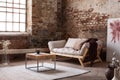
(110, 72)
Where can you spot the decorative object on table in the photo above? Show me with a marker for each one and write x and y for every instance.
(5, 44)
(116, 62)
(37, 51)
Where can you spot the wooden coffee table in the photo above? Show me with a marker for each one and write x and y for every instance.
(42, 57)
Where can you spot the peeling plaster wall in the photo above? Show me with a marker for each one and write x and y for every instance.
(88, 18)
(53, 20)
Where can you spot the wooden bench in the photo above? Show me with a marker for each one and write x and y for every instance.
(22, 51)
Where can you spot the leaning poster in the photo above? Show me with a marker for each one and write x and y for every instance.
(113, 38)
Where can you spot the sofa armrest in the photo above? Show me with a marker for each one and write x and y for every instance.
(56, 44)
(100, 45)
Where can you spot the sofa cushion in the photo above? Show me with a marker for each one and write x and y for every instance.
(56, 44)
(71, 51)
(84, 47)
(66, 51)
(99, 42)
(71, 42)
(78, 44)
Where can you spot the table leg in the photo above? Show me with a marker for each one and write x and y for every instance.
(37, 65)
(55, 63)
(42, 63)
(26, 62)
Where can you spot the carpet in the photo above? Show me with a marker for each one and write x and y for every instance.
(20, 73)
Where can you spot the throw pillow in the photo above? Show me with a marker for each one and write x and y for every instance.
(71, 42)
(79, 44)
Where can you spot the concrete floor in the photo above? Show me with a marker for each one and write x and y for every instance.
(97, 71)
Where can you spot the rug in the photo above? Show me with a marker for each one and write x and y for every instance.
(20, 73)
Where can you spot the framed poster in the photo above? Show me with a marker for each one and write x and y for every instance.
(113, 38)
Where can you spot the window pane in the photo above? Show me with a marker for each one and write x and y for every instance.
(2, 4)
(2, 9)
(9, 17)
(22, 6)
(16, 1)
(23, 1)
(13, 15)
(16, 5)
(2, 16)
(9, 26)
(22, 11)
(16, 10)
(3, 0)
(16, 17)
(9, 9)
(9, 5)
(22, 27)
(2, 26)
(16, 27)
(9, 1)
(22, 17)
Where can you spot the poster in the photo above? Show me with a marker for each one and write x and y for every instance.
(113, 38)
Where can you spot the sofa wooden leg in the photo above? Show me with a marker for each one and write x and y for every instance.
(81, 62)
(100, 59)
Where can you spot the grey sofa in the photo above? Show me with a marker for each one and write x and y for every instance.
(71, 48)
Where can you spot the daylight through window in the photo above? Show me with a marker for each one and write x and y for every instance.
(13, 15)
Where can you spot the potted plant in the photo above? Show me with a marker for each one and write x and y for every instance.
(5, 44)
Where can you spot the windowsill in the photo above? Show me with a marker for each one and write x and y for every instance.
(14, 34)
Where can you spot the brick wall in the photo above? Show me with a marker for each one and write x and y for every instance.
(46, 25)
(86, 18)
(17, 42)
(60, 19)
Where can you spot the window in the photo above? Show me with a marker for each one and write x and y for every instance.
(13, 15)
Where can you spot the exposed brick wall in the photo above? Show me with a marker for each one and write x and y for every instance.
(85, 23)
(46, 25)
(17, 42)
(45, 21)
(86, 18)
(60, 19)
